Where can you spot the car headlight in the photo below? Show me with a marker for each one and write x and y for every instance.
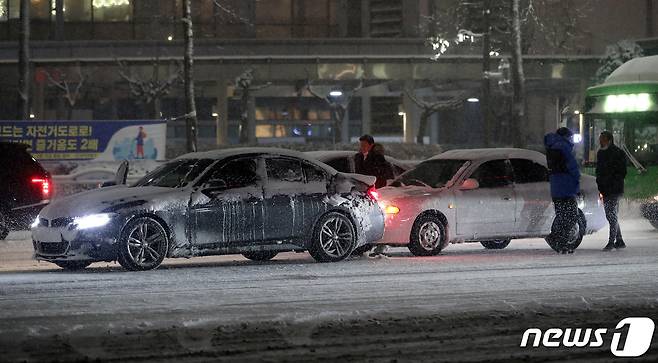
(92, 221)
(35, 223)
(655, 198)
(389, 208)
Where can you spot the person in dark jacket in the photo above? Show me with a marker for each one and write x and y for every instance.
(363, 159)
(382, 168)
(565, 185)
(610, 174)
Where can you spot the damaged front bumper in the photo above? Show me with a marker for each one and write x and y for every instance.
(66, 243)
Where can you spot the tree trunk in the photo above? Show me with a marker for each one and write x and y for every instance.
(422, 128)
(59, 19)
(337, 113)
(518, 79)
(244, 116)
(486, 84)
(23, 112)
(191, 122)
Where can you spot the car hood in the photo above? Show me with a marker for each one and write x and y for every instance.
(109, 199)
(394, 193)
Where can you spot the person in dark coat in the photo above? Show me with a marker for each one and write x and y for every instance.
(363, 159)
(381, 168)
(564, 178)
(610, 174)
(370, 160)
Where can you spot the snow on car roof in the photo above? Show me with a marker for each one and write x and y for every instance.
(225, 153)
(491, 154)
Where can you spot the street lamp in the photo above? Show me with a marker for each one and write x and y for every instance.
(473, 100)
(336, 93)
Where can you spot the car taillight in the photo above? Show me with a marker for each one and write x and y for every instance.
(373, 193)
(44, 184)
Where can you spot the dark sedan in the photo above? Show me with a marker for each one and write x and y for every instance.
(255, 202)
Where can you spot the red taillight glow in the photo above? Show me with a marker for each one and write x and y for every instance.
(373, 193)
(45, 186)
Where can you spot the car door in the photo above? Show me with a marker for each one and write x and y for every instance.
(227, 207)
(489, 210)
(285, 183)
(534, 207)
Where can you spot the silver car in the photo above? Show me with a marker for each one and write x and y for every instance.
(255, 202)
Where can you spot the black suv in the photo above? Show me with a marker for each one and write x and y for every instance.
(25, 188)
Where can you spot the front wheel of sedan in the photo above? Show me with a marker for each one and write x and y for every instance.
(260, 255)
(498, 244)
(143, 244)
(73, 265)
(334, 238)
(428, 236)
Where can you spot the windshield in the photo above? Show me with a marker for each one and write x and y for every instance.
(431, 173)
(175, 174)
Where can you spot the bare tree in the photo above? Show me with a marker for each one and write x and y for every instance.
(70, 85)
(24, 62)
(150, 91)
(191, 121)
(338, 106)
(518, 77)
(430, 108)
(244, 83)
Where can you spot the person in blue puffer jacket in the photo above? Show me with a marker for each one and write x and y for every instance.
(564, 176)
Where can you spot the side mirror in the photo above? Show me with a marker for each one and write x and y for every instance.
(121, 176)
(108, 184)
(214, 187)
(469, 184)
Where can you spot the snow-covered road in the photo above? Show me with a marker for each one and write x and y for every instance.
(92, 314)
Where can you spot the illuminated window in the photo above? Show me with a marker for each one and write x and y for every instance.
(39, 9)
(3, 10)
(77, 10)
(112, 10)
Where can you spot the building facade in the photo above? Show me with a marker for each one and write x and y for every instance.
(302, 61)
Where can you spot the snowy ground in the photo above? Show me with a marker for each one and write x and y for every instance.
(466, 304)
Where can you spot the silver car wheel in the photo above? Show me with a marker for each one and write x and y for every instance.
(429, 235)
(336, 237)
(144, 241)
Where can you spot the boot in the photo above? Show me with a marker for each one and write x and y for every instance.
(609, 247)
(620, 244)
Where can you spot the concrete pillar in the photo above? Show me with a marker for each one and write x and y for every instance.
(365, 18)
(410, 18)
(251, 119)
(411, 117)
(434, 128)
(221, 119)
(366, 112)
(345, 127)
(342, 17)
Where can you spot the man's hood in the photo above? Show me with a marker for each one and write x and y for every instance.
(555, 141)
(104, 200)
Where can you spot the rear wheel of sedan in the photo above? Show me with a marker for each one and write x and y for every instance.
(143, 244)
(428, 236)
(498, 244)
(260, 255)
(73, 265)
(576, 236)
(334, 238)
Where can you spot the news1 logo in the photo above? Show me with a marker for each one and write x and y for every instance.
(631, 337)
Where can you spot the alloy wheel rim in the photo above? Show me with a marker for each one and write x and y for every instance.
(145, 242)
(430, 235)
(336, 237)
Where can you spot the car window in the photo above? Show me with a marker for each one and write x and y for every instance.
(284, 169)
(314, 174)
(175, 174)
(493, 174)
(528, 171)
(238, 173)
(432, 173)
(341, 164)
